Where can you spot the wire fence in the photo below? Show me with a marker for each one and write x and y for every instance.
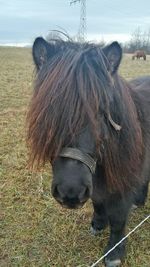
(117, 244)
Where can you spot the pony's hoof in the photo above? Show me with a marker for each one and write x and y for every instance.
(95, 231)
(134, 206)
(112, 263)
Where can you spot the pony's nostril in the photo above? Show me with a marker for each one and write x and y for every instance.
(85, 194)
(55, 191)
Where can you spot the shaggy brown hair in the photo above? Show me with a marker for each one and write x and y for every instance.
(73, 89)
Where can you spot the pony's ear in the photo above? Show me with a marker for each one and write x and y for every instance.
(42, 51)
(113, 53)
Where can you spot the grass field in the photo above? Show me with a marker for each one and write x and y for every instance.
(36, 231)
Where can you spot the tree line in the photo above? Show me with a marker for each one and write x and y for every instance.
(139, 41)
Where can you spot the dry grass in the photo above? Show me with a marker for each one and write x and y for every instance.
(36, 231)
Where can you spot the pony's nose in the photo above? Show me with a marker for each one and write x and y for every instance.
(70, 197)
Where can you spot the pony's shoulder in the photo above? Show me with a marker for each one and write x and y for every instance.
(142, 82)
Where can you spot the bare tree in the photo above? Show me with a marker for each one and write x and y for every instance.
(139, 41)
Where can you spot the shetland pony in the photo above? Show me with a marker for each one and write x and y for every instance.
(94, 128)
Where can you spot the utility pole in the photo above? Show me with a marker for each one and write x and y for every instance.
(81, 36)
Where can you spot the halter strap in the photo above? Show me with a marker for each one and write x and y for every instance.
(74, 153)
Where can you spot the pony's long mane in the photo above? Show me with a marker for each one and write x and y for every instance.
(74, 89)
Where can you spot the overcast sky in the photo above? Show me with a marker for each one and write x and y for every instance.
(23, 20)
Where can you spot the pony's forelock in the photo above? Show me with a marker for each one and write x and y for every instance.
(65, 99)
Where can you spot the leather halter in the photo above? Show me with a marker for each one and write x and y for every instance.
(74, 153)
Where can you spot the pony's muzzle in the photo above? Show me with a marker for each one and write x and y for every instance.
(70, 197)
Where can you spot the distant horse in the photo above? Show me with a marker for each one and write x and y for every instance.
(139, 54)
(94, 128)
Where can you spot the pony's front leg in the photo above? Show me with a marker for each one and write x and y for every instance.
(117, 214)
(141, 195)
(100, 219)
